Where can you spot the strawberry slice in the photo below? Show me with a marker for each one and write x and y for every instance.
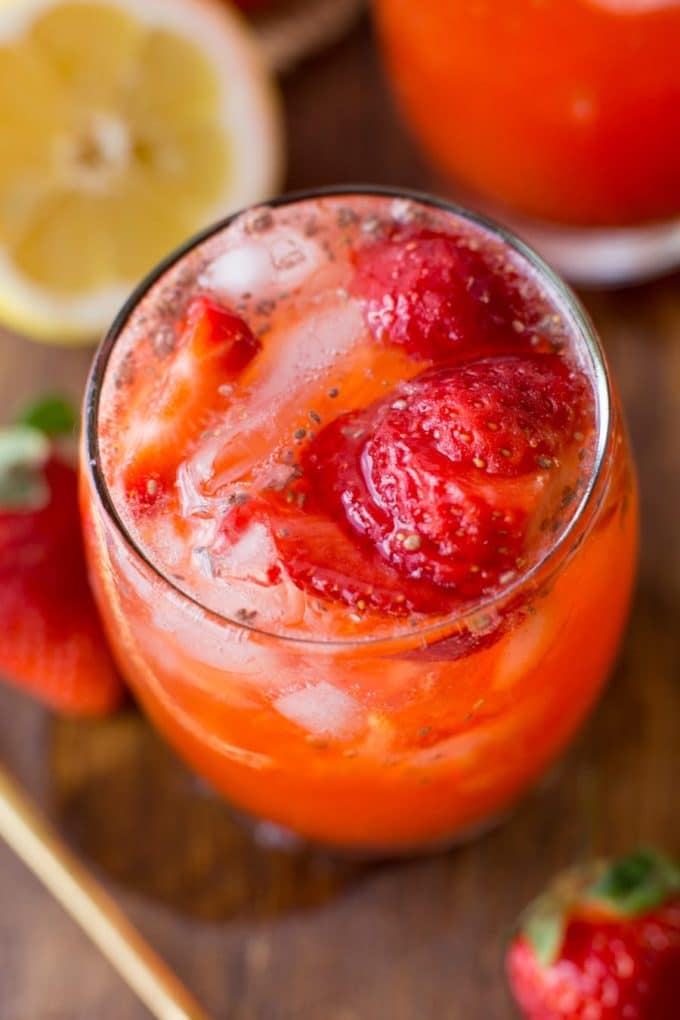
(445, 476)
(323, 560)
(433, 294)
(213, 346)
(53, 645)
(213, 332)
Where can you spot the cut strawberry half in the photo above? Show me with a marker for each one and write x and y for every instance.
(433, 294)
(213, 347)
(53, 645)
(444, 476)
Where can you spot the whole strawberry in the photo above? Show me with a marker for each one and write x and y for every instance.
(603, 943)
(51, 641)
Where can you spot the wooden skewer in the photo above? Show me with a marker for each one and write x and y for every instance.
(42, 850)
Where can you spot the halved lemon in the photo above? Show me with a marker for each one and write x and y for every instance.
(125, 126)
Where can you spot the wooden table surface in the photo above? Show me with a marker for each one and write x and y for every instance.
(262, 935)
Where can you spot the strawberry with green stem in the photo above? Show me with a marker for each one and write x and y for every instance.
(603, 943)
(52, 644)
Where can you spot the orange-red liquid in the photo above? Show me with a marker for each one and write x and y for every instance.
(364, 733)
(567, 111)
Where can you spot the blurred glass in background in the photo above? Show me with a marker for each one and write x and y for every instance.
(560, 117)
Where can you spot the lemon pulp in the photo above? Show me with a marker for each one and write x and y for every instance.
(120, 134)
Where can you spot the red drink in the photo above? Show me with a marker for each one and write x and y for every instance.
(354, 487)
(565, 113)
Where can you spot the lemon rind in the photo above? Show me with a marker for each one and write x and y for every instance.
(250, 112)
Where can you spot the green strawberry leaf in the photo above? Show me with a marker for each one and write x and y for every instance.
(623, 889)
(52, 415)
(636, 884)
(544, 925)
(545, 921)
(23, 453)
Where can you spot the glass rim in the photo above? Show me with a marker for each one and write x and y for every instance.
(458, 618)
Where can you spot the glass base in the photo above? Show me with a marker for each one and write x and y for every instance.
(610, 256)
(270, 836)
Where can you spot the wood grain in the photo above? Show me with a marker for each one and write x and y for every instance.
(42, 849)
(259, 934)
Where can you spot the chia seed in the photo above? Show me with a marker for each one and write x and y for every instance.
(260, 223)
(246, 615)
(346, 217)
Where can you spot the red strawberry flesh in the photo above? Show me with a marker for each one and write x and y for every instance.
(213, 346)
(53, 645)
(213, 331)
(322, 559)
(436, 295)
(445, 476)
(580, 955)
(614, 971)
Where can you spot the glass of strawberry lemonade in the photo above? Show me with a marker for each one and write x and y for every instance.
(361, 514)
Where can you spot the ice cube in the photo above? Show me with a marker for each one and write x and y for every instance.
(169, 544)
(250, 558)
(294, 257)
(283, 259)
(323, 710)
(240, 270)
(184, 632)
(189, 478)
(265, 606)
(202, 560)
(403, 210)
(314, 345)
(305, 352)
(287, 253)
(523, 649)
